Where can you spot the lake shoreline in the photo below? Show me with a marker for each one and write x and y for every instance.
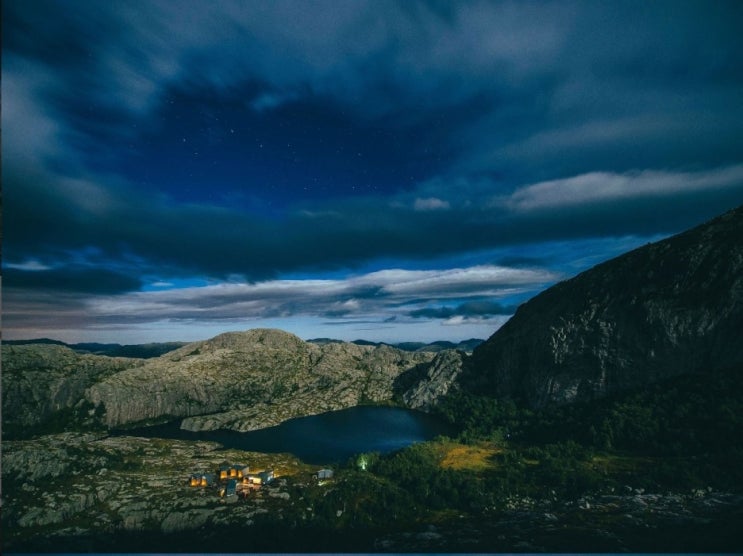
(327, 438)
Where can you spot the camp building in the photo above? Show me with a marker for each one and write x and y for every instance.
(202, 479)
(237, 471)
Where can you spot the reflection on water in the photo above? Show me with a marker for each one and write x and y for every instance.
(325, 438)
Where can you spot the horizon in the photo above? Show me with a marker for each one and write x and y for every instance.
(403, 171)
(310, 340)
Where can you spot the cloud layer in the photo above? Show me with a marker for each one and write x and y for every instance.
(324, 147)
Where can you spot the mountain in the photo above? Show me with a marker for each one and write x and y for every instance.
(665, 309)
(238, 380)
(43, 341)
(433, 347)
(137, 351)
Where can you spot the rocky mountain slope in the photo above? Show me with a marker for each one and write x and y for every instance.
(241, 381)
(664, 309)
(250, 380)
(39, 380)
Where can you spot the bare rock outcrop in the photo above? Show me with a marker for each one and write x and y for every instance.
(664, 309)
(38, 380)
(249, 380)
(440, 379)
(239, 380)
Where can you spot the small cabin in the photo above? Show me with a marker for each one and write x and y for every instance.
(224, 471)
(202, 479)
(258, 479)
(228, 471)
(242, 470)
(252, 479)
(324, 474)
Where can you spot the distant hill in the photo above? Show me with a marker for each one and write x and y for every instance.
(148, 351)
(36, 341)
(432, 347)
(138, 351)
(669, 308)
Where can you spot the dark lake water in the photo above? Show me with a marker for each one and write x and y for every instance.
(322, 439)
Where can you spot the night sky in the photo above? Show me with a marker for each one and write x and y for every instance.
(383, 170)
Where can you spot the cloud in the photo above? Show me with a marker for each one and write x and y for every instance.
(464, 310)
(36, 132)
(430, 203)
(158, 237)
(30, 265)
(270, 101)
(462, 320)
(456, 282)
(69, 279)
(521, 124)
(603, 187)
(391, 295)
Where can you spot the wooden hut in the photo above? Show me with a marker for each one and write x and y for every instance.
(201, 479)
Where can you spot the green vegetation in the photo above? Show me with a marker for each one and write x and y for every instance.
(504, 463)
(675, 436)
(681, 433)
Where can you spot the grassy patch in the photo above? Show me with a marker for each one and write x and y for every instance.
(470, 457)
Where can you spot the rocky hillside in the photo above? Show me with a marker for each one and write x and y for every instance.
(39, 380)
(251, 380)
(241, 381)
(61, 488)
(425, 386)
(665, 309)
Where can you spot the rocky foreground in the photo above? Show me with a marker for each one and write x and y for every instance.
(700, 520)
(60, 488)
(82, 492)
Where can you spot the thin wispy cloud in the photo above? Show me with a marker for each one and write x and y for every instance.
(371, 294)
(430, 203)
(602, 187)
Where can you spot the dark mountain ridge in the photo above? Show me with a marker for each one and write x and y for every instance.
(433, 347)
(665, 309)
(136, 351)
(156, 349)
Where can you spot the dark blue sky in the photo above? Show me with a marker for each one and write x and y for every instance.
(224, 147)
(381, 170)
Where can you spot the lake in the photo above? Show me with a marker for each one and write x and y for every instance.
(325, 438)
